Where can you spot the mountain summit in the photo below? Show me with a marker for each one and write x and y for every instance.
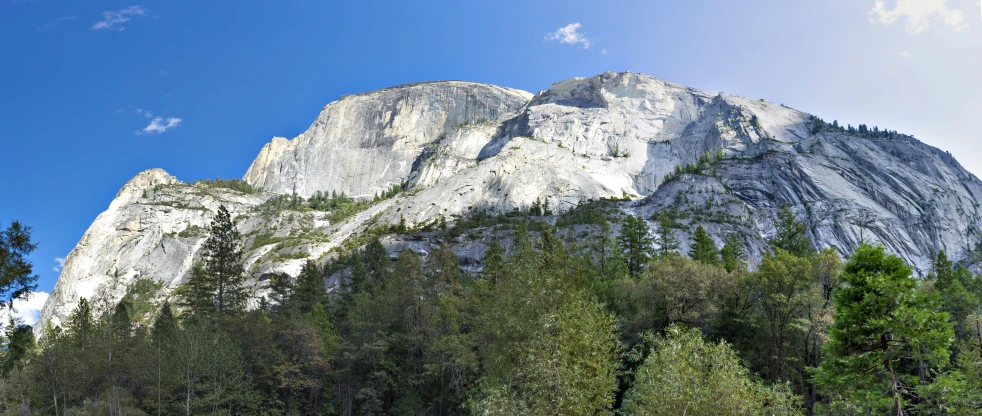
(443, 151)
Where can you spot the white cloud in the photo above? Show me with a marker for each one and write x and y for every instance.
(569, 34)
(144, 113)
(919, 14)
(114, 19)
(603, 51)
(61, 263)
(48, 25)
(28, 309)
(159, 125)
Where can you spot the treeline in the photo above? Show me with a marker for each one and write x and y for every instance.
(234, 184)
(554, 324)
(819, 125)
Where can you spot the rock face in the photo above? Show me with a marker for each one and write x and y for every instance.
(462, 147)
(365, 143)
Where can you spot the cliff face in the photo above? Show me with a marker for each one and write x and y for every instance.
(364, 144)
(461, 147)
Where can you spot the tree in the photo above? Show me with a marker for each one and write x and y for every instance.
(792, 235)
(309, 289)
(884, 327)
(685, 375)
(197, 294)
(732, 254)
(665, 237)
(703, 248)
(223, 263)
(635, 241)
(671, 290)
(782, 282)
(17, 278)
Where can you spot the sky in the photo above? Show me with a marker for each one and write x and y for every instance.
(93, 92)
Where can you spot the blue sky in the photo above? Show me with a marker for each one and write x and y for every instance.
(94, 92)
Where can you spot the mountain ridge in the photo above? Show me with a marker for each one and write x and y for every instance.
(455, 148)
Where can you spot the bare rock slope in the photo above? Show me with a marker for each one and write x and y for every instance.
(727, 163)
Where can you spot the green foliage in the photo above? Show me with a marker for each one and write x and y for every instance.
(555, 324)
(684, 374)
(665, 237)
(17, 278)
(235, 184)
(884, 329)
(819, 125)
(703, 247)
(706, 162)
(792, 235)
(732, 254)
(636, 243)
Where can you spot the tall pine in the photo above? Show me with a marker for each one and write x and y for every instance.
(703, 248)
(223, 263)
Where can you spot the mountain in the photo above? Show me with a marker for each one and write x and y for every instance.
(458, 148)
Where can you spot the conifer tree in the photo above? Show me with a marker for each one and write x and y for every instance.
(635, 242)
(223, 263)
(309, 289)
(732, 253)
(703, 248)
(792, 235)
(884, 327)
(665, 237)
(17, 278)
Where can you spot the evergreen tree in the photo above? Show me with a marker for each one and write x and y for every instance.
(635, 241)
(223, 263)
(732, 254)
(665, 237)
(703, 248)
(884, 328)
(197, 294)
(17, 278)
(494, 262)
(309, 289)
(792, 235)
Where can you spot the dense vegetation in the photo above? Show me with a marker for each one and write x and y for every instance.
(234, 184)
(337, 206)
(554, 324)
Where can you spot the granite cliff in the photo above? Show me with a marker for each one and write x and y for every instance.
(455, 148)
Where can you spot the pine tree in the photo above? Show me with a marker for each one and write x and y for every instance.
(635, 241)
(792, 235)
(494, 262)
(17, 278)
(884, 328)
(309, 289)
(223, 263)
(732, 253)
(703, 248)
(665, 237)
(197, 294)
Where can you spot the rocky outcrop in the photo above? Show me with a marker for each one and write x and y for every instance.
(462, 147)
(364, 144)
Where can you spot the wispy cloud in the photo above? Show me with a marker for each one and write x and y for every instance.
(28, 310)
(114, 19)
(50, 24)
(61, 263)
(570, 34)
(159, 125)
(919, 15)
